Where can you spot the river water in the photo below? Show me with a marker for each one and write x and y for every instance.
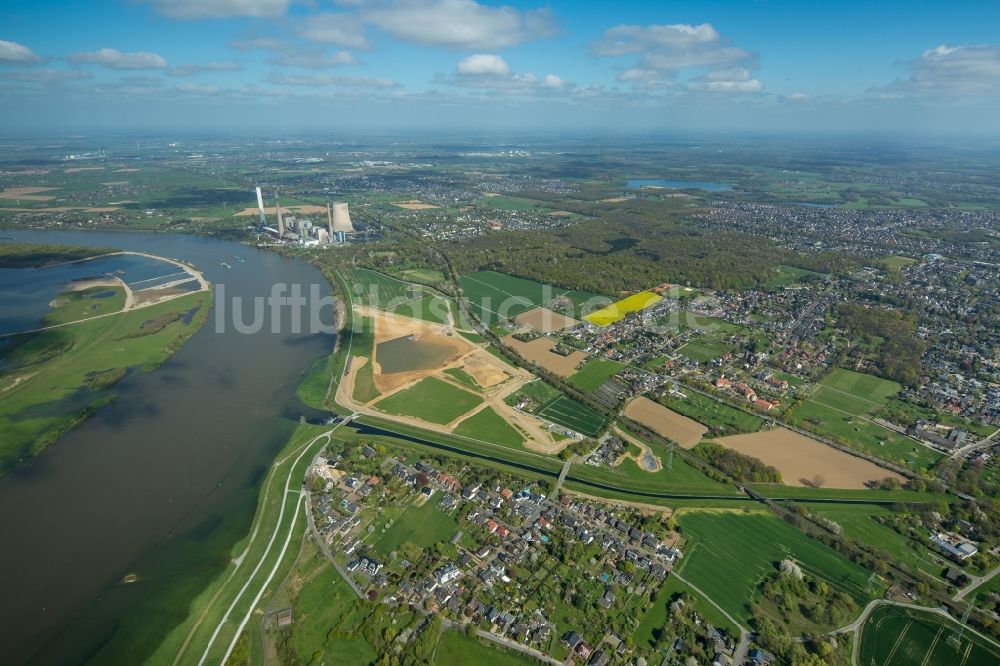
(160, 483)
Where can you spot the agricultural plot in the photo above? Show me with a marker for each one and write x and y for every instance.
(493, 295)
(666, 423)
(867, 388)
(430, 399)
(430, 308)
(617, 311)
(380, 291)
(422, 526)
(729, 554)
(571, 414)
(594, 372)
(894, 636)
(864, 435)
(486, 425)
(712, 413)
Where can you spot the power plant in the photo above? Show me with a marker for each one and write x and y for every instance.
(290, 229)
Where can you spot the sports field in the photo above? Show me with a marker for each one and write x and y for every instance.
(593, 373)
(423, 526)
(487, 425)
(574, 415)
(617, 311)
(895, 636)
(729, 553)
(430, 399)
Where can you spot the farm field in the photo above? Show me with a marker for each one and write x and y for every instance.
(894, 636)
(729, 552)
(544, 320)
(571, 414)
(683, 478)
(380, 291)
(430, 399)
(430, 308)
(864, 435)
(867, 388)
(457, 649)
(491, 294)
(665, 422)
(803, 461)
(617, 311)
(712, 413)
(422, 526)
(487, 425)
(540, 351)
(593, 373)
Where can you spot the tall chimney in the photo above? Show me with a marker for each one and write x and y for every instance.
(281, 222)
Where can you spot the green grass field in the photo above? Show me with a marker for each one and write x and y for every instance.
(729, 553)
(362, 343)
(91, 302)
(704, 350)
(463, 378)
(431, 400)
(380, 291)
(313, 387)
(50, 379)
(457, 649)
(574, 415)
(865, 435)
(487, 425)
(683, 478)
(491, 294)
(655, 617)
(594, 373)
(711, 412)
(858, 523)
(430, 308)
(788, 275)
(893, 636)
(423, 526)
(866, 387)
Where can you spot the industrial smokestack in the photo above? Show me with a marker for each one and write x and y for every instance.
(260, 207)
(281, 222)
(342, 218)
(329, 218)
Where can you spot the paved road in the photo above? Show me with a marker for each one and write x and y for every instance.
(739, 656)
(976, 581)
(562, 476)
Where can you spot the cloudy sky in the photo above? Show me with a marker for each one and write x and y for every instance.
(835, 65)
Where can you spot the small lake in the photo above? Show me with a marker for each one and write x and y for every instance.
(408, 354)
(28, 291)
(666, 183)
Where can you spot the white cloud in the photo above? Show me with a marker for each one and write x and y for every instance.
(313, 59)
(197, 88)
(459, 24)
(664, 50)
(483, 64)
(798, 97)
(553, 81)
(115, 59)
(955, 71)
(200, 9)
(330, 80)
(341, 29)
(190, 70)
(46, 75)
(14, 52)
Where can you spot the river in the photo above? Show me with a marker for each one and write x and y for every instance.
(162, 482)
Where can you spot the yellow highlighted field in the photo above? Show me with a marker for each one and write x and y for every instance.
(617, 311)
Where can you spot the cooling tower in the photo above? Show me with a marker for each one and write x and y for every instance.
(281, 222)
(260, 207)
(342, 218)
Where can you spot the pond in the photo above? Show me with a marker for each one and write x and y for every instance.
(409, 353)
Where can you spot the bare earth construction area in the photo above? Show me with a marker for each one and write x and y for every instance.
(545, 320)
(540, 351)
(668, 423)
(803, 461)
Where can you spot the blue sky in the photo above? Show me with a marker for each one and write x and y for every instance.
(398, 64)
